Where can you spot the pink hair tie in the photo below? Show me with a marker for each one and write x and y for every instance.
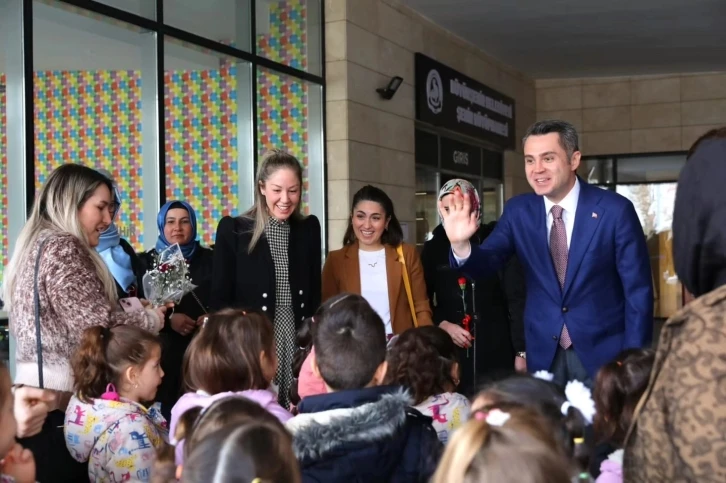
(480, 416)
(110, 394)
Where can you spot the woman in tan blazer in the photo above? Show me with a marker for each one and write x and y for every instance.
(369, 264)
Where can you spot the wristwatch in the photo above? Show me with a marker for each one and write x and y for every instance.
(523, 355)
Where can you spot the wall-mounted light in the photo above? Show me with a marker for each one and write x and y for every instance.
(390, 90)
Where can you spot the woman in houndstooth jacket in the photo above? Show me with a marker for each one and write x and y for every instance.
(269, 258)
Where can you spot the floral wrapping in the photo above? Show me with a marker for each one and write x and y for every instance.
(119, 439)
(169, 280)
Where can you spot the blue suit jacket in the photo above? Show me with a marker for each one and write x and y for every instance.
(607, 300)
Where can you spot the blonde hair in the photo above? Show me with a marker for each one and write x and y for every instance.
(56, 209)
(519, 451)
(271, 162)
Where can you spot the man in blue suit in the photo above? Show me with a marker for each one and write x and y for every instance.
(588, 276)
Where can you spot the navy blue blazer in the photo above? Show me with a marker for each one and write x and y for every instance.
(607, 300)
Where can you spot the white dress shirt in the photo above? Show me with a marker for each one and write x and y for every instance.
(569, 209)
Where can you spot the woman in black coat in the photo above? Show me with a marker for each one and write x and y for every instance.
(177, 223)
(269, 259)
(499, 303)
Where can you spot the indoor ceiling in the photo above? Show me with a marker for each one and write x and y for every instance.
(584, 38)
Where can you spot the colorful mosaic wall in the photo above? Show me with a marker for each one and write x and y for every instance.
(93, 118)
(286, 41)
(282, 119)
(201, 143)
(4, 243)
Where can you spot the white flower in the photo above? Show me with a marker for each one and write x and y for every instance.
(497, 417)
(544, 375)
(579, 396)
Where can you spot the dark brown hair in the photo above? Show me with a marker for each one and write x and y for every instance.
(718, 133)
(225, 354)
(421, 360)
(349, 340)
(393, 235)
(304, 341)
(225, 412)
(104, 354)
(254, 449)
(618, 388)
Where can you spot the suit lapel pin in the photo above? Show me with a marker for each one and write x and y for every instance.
(594, 215)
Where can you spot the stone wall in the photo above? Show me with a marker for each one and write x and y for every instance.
(642, 114)
(371, 140)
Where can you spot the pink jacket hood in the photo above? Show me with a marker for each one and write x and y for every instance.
(265, 398)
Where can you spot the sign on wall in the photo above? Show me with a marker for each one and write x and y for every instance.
(460, 157)
(451, 100)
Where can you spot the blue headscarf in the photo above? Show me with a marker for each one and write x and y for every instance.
(187, 249)
(110, 249)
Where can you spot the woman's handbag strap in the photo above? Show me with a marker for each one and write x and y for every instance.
(36, 304)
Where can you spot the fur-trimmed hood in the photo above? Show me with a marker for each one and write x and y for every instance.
(317, 434)
(370, 434)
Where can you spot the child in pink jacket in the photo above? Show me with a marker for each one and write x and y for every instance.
(233, 354)
(618, 388)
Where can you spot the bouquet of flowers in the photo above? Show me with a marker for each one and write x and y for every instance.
(169, 280)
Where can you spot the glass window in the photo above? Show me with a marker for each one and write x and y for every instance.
(289, 32)
(427, 214)
(598, 170)
(492, 200)
(645, 169)
(289, 117)
(225, 21)
(143, 8)
(207, 147)
(95, 104)
(654, 204)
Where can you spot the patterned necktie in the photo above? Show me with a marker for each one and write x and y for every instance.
(558, 250)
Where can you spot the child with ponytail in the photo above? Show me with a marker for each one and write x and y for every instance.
(115, 371)
(511, 445)
(568, 412)
(233, 354)
(618, 388)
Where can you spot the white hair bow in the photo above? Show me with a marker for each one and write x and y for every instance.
(579, 397)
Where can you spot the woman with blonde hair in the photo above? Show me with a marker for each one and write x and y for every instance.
(269, 259)
(55, 286)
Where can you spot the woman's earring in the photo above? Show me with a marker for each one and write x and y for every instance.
(456, 382)
(136, 386)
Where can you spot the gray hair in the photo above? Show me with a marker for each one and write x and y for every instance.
(567, 132)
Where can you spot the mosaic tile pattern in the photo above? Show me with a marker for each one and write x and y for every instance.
(93, 118)
(282, 119)
(286, 41)
(201, 143)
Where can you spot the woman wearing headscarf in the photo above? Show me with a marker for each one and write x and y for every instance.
(118, 255)
(497, 302)
(177, 223)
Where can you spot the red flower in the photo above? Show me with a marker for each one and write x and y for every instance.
(165, 267)
(466, 323)
(462, 283)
